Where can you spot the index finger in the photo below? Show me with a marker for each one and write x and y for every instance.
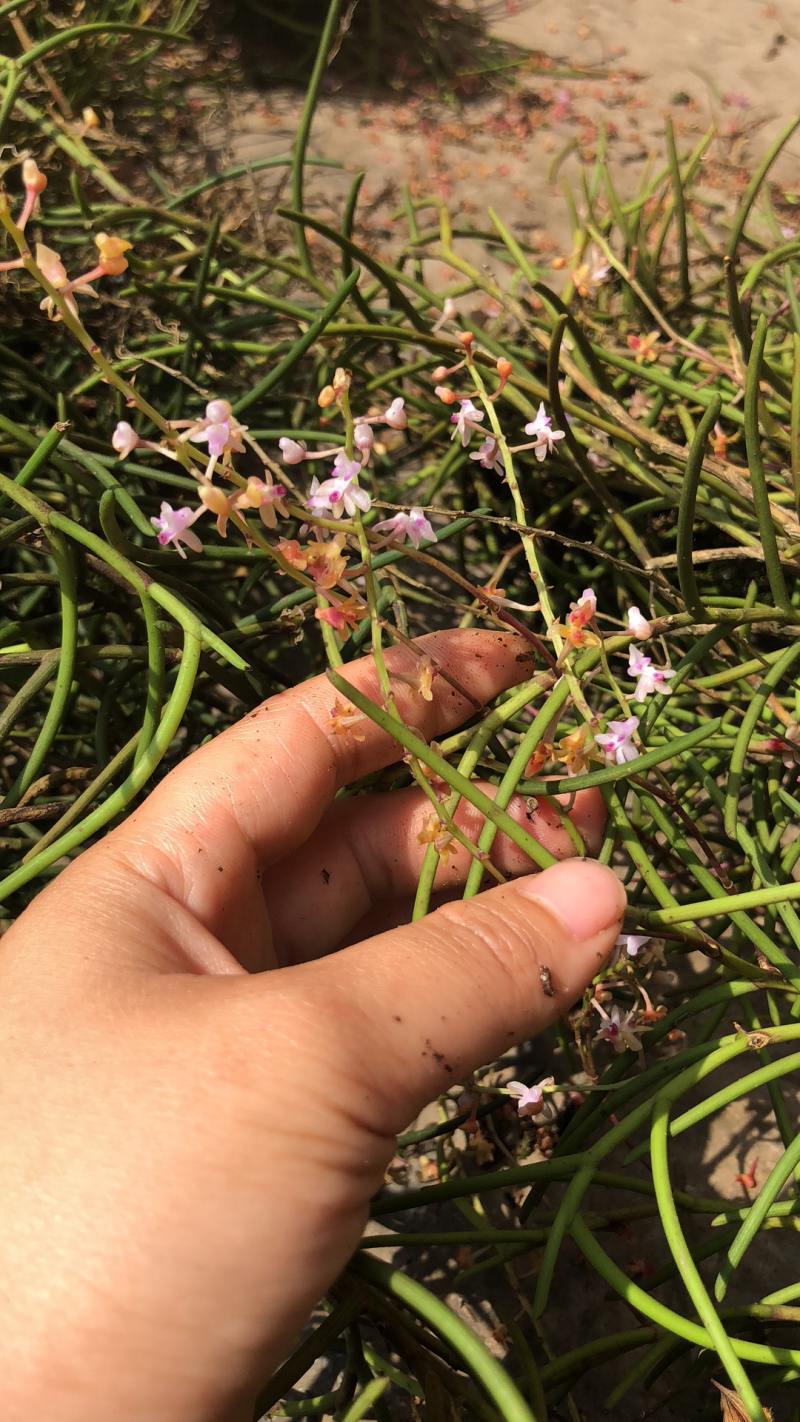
(264, 784)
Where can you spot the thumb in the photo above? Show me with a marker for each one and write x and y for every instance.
(422, 1006)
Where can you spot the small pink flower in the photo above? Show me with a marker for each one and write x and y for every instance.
(173, 527)
(650, 678)
(413, 525)
(546, 438)
(341, 492)
(540, 424)
(219, 430)
(467, 420)
(344, 468)
(633, 943)
(638, 625)
(489, 456)
(617, 740)
(395, 417)
(291, 451)
(124, 439)
(216, 437)
(528, 1098)
(620, 1029)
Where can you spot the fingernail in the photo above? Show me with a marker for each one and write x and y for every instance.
(587, 896)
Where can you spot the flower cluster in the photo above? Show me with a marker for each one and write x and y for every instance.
(335, 497)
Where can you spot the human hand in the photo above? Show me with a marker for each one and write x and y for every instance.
(188, 1144)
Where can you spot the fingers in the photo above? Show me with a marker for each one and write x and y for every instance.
(367, 851)
(416, 1009)
(257, 792)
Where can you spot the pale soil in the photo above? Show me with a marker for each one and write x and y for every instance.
(731, 64)
(735, 65)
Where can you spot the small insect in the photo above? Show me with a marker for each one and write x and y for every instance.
(547, 980)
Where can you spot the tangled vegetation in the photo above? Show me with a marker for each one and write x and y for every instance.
(642, 535)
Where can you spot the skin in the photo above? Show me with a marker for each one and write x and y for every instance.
(199, 1095)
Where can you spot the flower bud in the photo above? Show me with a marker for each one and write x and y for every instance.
(218, 411)
(504, 368)
(326, 397)
(90, 119)
(447, 397)
(292, 452)
(466, 338)
(342, 379)
(396, 417)
(440, 373)
(363, 437)
(558, 264)
(33, 178)
(124, 439)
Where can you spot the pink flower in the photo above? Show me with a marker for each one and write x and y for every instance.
(173, 527)
(216, 437)
(617, 740)
(219, 430)
(291, 451)
(396, 416)
(545, 437)
(345, 468)
(621, 1030)
(467, 420)
(650, 678)
(413, 525)
(540, 424)
(340, 492)
(633, 942)
(638, 625)
(529, 1098)
(124, 439)
(489, 456)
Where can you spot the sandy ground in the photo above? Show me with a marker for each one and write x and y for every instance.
(733, 65)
